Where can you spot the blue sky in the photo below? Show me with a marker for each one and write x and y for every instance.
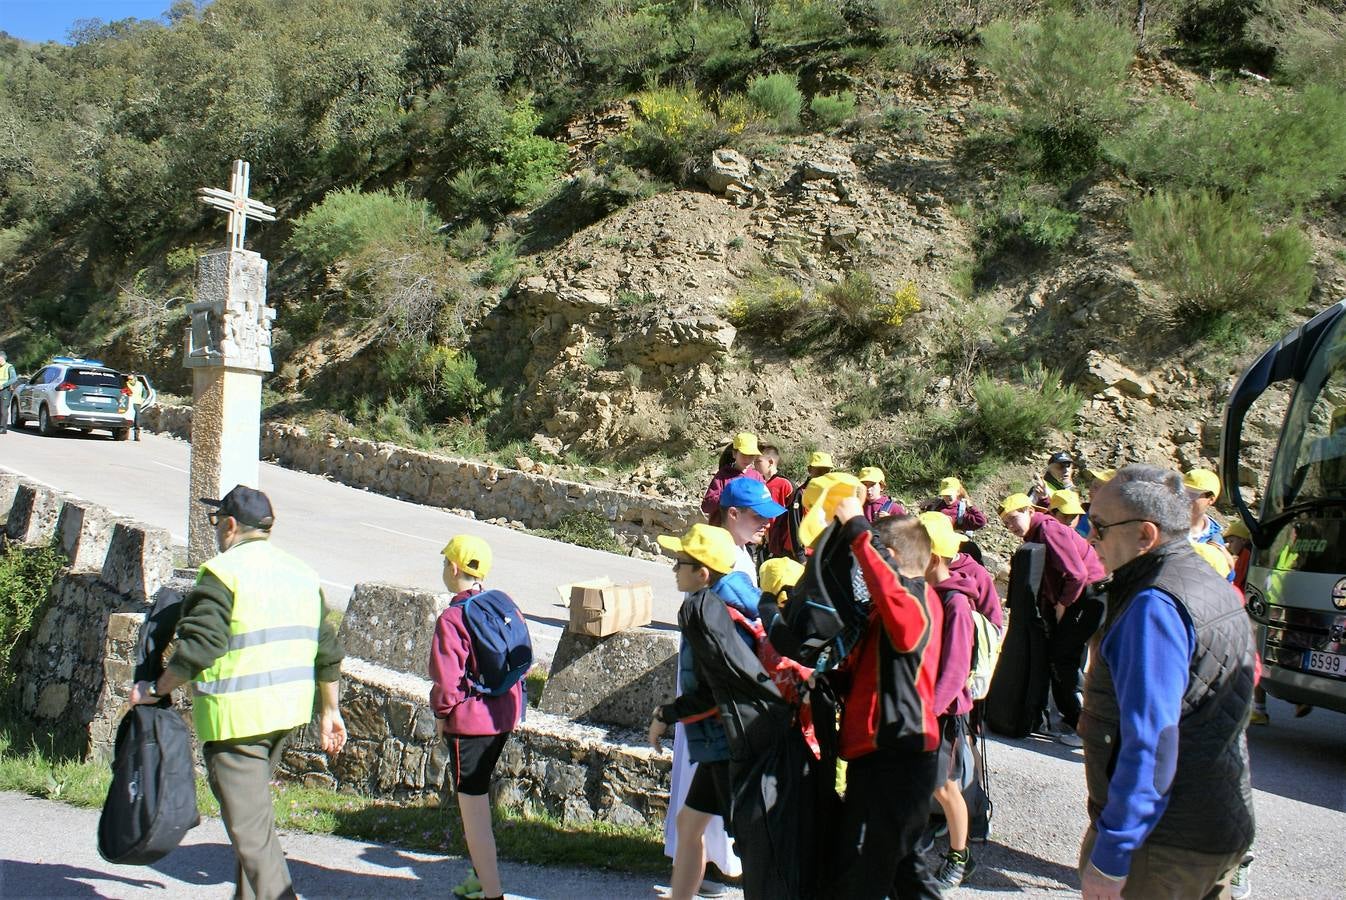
(50, 20)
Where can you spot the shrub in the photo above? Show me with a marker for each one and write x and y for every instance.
(833, 110)
(472, 190)
(1310, 44)
(349, 221)
(862, 311)
(25, 577)
(1065, 75)
(1023, 215)
(502, 262)
(778, 97)
(585, 529)
(1213, 256)
(529, 163)
(766, 302)
(1281, 150)
(1014, 418)
(469, 240)
(672, 132)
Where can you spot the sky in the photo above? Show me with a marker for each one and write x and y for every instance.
(50, 20)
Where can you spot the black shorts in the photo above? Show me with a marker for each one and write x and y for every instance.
(952, 739)
(709, 790)
(472, 758)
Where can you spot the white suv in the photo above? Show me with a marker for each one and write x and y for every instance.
(76, 393)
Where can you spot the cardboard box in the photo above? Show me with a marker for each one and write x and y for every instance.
(600, 608)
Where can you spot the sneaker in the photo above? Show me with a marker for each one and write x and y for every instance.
(956, 869)
(1068, 737)
(1241, 887)
(1260, 717)
(710, 888)
(470, 888)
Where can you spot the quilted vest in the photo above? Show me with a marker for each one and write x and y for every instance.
(1210, 802)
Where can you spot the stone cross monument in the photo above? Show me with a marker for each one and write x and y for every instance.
(228, 351)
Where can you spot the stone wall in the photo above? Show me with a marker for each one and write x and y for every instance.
(76, 669)
(489, 491)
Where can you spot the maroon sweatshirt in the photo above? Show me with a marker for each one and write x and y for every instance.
(952, 697)
(971, 577)
(710, 504)
(964, 515)
(452, 696)
(1071, 564)
(884, 506)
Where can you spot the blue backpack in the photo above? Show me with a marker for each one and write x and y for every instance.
(501, 645)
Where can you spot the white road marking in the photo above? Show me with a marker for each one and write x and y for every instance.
(337, 584)
(167, 466)
(414, 537)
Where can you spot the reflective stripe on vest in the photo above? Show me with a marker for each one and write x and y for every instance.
(264, 681)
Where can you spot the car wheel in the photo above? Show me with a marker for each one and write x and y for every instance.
(44, 424)
(121, 434)
(14, 415)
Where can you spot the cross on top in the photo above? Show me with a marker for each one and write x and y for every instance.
(236, 202)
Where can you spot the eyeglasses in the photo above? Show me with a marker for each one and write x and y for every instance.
(214, 518)
(679, 563)
(1100, 529)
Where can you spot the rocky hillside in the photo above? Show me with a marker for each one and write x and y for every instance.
(928, 238)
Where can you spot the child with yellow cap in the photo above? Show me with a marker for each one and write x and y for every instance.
(720, 680)
(1203, 489)
(736, 461)
(954, 502)
(877, 503)
(475, 725)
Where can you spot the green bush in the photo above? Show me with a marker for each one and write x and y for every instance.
(1310, 44)
(1065, 75)
(672, 132)
(585, 529)
(26, 574)
(529, 163)
(1013, 419)
(779, 98)
(1024, 216)
(349, 221)
(1280, 149)
(833, 110)
(469, 240)
(1214, 257)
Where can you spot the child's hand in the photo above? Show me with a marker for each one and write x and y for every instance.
(848, 508)
(657, 730)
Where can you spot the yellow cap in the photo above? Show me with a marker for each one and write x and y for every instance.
(944, 541)
(1213, 555)
(713, 547)
(1237, 529)
(950, 487)
(745, 442)
(1067, 502)
(821, 496)
(1014, 503)
(1203, 480)
(471, 554)
(871, 475)
(778, 574)
(1101, 475)
(820, 459)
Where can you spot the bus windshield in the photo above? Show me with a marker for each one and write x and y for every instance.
(1310, 463)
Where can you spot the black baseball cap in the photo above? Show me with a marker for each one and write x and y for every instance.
(248, 505)
(1060, 457)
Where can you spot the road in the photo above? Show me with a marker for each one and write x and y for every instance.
(348, 535)
(1299, 765)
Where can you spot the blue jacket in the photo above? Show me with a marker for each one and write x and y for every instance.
(706, 739)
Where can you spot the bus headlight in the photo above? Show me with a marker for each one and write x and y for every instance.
(1257, 605)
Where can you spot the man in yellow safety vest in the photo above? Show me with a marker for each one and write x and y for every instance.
(255, 641)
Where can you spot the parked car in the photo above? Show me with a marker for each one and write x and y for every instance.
(70, 392)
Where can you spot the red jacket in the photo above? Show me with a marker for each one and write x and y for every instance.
(1071, 564)
(888, 679)
(452, 698)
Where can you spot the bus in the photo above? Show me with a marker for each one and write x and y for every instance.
(1296, 584)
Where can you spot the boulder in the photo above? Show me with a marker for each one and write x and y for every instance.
(816, 170)
(1102, 372)
(614, 680)
(727, 169)
(392, 626)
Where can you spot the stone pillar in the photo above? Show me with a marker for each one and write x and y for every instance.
(228, 351)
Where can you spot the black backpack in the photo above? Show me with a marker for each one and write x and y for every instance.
(825, 617)
(151, 803)
(1019, 689)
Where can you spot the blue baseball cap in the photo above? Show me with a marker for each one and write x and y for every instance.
(749, 493)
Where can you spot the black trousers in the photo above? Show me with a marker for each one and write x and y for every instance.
(1066, 641)
(886, 807)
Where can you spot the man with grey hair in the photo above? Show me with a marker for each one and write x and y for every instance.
(1166, 701)
(8, 378)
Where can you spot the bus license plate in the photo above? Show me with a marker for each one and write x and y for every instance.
(1325, 663)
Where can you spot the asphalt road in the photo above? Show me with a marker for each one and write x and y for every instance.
(348, 535)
